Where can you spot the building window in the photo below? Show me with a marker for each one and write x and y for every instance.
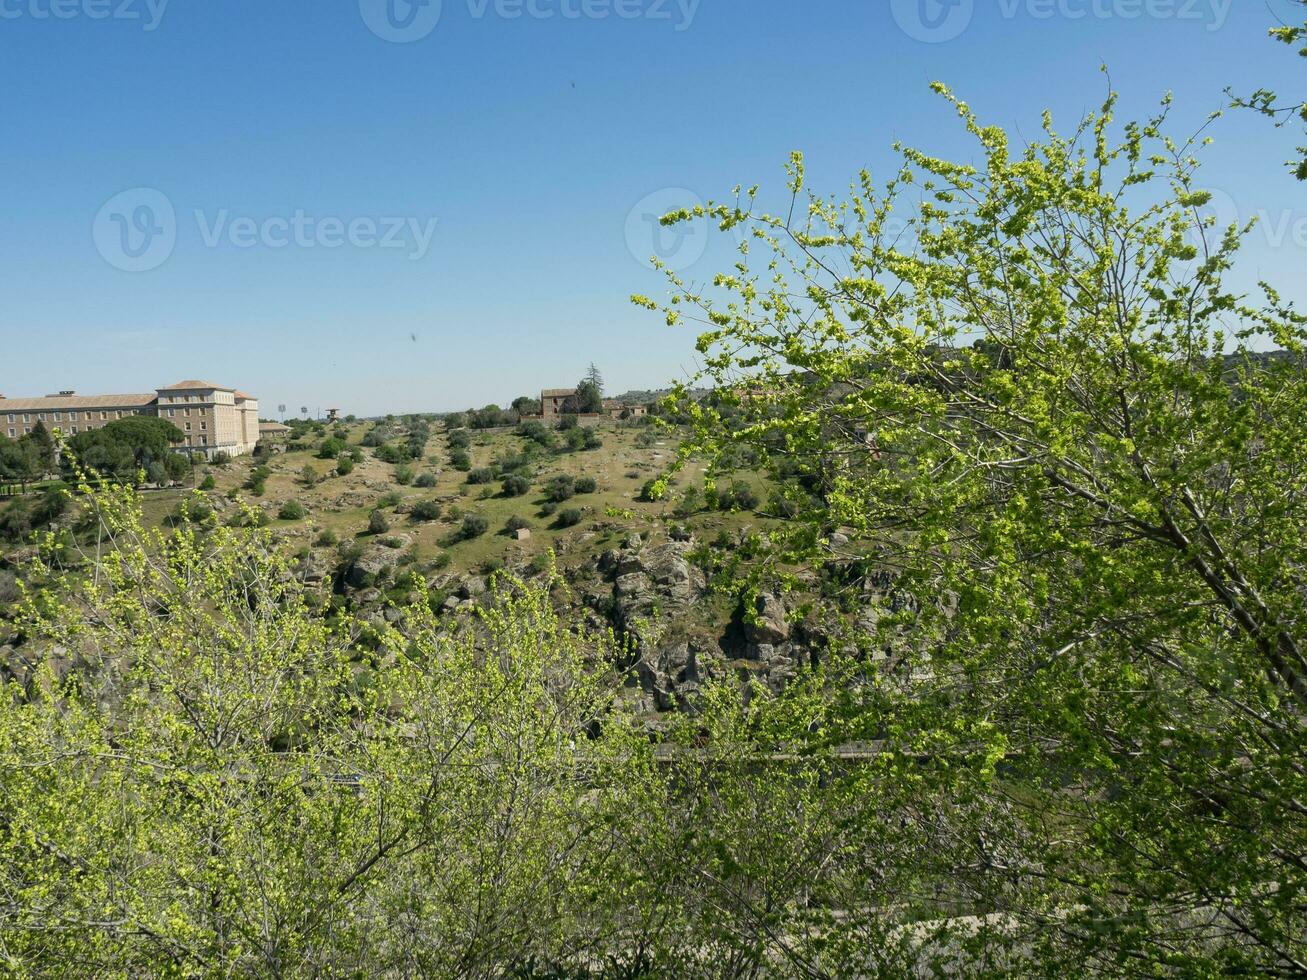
(11, 416)
(172, 413)
(188, 427)
(40, 416)
(27, 430)
(74, 430)
(103, 416)
(58, 416)
(11, 431)
(204, 440)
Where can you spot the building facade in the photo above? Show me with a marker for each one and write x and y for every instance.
(212, 417)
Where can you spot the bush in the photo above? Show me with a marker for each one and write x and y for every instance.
(739, 496)
(292, 510)
(344, 466)
(560, 488)
(308, 476)
(516, 523)
(484, 474)
(516, 486)
(570, 517)
(586, 484)
(459, 439)
(425, 510)
(327, 539)
(651, 492)
(221, 458)
(208, 483)
(474, 525)
(426, 481)
(330, 448)
(460, 460)
(492, 565)
(567, 422)
(377, 523)
(403, 474)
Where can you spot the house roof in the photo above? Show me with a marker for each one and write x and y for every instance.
(557, 392)
(55, 403)
(193, 385)
(242, 396)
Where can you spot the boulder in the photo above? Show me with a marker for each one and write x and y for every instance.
(770, 625)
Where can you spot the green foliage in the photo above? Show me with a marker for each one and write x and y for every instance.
(473, 526)
(560, 488)
(378, 523)
(585, 484)
(208, 483)
(403, 474)
(484, 474)
(425, 481)
(292, 510)
(426, 510)
(1068, 484)
(569, 517)
(344, 465)
(516, 485)
(460, 460)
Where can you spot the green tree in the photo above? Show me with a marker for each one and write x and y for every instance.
(1038, 412)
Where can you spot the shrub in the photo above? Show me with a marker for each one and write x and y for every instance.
(330, 448)
(292, 510)
(592, 440)
(308, 476)
(492, 565)
(222, 458)
(425, 510)
(570, 517)
(484, 474)
(208, 482)
(560, 488)
(474, 525)
(739, 496)
(403, 474)
(390, 498)
(586, 484)
(539, 562)
(426, 481)
(460, 460)
(567, 422)
(516, 486)
(651, 492)
(377, 523)
(460, 439)
(327, 539)
(516, 523)
(344, 466)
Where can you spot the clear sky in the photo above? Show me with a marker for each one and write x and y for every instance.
(517, 143)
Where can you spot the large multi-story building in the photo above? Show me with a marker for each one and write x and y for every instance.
(212, 417)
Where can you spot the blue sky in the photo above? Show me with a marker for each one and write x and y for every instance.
(527, 131)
